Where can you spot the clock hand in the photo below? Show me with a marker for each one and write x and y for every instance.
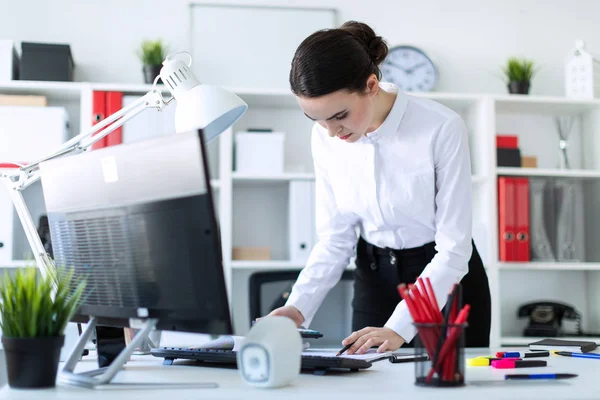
(412, 69)
(397, 66)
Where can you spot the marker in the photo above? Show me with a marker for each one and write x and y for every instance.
(579, 355)
(504, 364)
(397, 359)
(540, 376)
(520, 354)
(485, 361)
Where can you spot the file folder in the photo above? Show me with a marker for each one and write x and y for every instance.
(569, 221)
(506, 219)
(98, 114)
(114, 103)
(522, 237)
(542, 219)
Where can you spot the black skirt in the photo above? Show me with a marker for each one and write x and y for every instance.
(379, 272)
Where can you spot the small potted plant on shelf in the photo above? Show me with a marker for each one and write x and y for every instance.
(35, 312)
(518, 73)
(152, 53)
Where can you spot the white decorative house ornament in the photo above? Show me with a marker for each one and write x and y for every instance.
(582, 73)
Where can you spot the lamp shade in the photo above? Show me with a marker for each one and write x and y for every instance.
(199, 106)
(207, 107)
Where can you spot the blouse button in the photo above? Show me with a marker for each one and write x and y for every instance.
(373, 266)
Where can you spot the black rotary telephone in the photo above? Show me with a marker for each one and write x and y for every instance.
(545, 318)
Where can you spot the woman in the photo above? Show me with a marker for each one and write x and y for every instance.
(395, 168)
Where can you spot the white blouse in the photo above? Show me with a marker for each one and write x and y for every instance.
(404, 185)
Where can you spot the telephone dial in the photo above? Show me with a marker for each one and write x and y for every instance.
(545, 318)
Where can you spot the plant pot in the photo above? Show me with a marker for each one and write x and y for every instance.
(151, 72)
(518, 87)
(32, 362)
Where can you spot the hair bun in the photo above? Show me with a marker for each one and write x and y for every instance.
(375, 45)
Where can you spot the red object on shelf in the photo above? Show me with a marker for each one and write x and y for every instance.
(114, 102)
(105, 104)
(506, 219)
(98, 114)
(522, 219)
(10, 165)
(507, 141)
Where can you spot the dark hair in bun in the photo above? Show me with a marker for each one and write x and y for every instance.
(334, 59)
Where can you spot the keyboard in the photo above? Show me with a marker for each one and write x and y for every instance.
(316, 364)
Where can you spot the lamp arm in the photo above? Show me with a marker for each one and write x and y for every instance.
(26, 175)
(152, 99)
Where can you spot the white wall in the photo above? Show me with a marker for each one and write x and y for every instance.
(469, 39)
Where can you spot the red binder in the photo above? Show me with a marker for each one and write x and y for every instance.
(506, 219)
(98, 114)
(522, 219)
(114, 102)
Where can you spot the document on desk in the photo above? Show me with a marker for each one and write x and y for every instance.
(372, 355)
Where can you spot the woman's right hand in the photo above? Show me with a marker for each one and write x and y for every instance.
(291, 312)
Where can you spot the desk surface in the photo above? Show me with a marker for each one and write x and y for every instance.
(382, 379)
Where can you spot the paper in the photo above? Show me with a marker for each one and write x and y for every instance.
(200, 341)
(371, 355)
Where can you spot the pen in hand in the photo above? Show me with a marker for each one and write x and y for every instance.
(346, 347)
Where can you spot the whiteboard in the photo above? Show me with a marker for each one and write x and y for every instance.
(250, 46)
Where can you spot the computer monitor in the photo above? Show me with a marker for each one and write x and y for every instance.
(138, 221)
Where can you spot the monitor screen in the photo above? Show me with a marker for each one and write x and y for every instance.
(138, 222)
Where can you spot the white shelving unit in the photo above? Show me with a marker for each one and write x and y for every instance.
(253, 208)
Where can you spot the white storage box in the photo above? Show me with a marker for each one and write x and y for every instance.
(259, 152)
(9, 61)
(30, 133)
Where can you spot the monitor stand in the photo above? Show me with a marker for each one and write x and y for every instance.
(103, 376)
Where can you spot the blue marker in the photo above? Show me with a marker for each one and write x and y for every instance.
(519, 354)
(580, 355)
(539, 376)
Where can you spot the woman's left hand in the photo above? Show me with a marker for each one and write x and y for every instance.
(385, 338)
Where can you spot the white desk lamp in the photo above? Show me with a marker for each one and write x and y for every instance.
(199, 106)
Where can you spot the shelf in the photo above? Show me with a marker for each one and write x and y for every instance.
(547, 172)
(455, 101)
(18, 264)
(280, 178)
(524, 340)
(70, 91)
(127, 89)
(272, 264)
(478, 179)
(266, 98)
(528, 104)
(549, 266)
(286, 177)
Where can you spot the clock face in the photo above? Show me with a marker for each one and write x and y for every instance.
(410, 69)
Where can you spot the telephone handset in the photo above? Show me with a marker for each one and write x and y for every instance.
(545, 318)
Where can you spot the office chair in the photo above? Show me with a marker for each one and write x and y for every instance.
(269, 290)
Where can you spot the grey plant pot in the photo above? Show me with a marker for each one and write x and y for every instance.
(151, 72)
(32, 362)
(519, 87)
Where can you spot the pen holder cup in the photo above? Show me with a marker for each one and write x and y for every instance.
(445, 346)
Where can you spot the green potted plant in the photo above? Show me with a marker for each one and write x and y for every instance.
(152, 53)
(35, 312)
(518, 74)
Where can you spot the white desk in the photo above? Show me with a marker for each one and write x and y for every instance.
(383, 379)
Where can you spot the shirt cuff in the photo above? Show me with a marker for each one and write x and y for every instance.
(305, 305)
(401, 322)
